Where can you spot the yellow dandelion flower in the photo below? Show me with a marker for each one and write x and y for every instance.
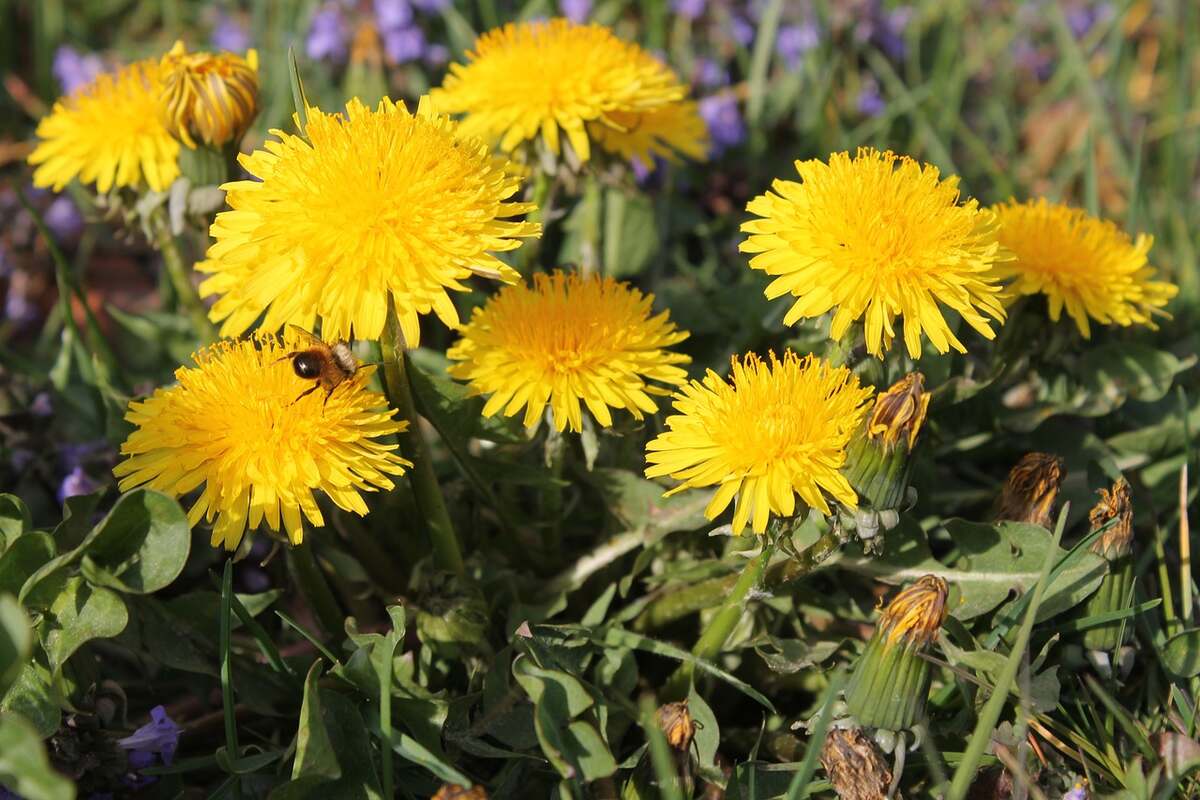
(773, 431)
(1087, 265)
(673, 130)
(207, 96)
(373, 205)
(564, 340)
(533, 79)
(108, 133)
(876, 237)
(234, 426)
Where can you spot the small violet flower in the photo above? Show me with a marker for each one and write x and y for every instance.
(575, 10)
(327, 35)
(230, 35)
(724, 120)
(73, 69)
(158, 737)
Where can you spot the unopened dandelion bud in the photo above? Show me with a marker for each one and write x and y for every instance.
(878, 462)
(1031, 489)
(452, 791)
(208, 97)
(855, 767)
(1113, 515)
(890, 682)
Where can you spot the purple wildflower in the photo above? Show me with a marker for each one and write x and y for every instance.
(76, 483)
(1031, 58)
(158, 737)
(575, 10)
(327, 35)
(1082, 17)
(796, 40)
(42, 405)
(63, 219)
(436, 55)
(708, 74)
(73, 69)
(742, 30)
(391, 15)
(404, 44)
(870, 103)
(18, 307)
(689, 9)
(724, 120)
(431, 6)
(884, 28)
(230, 35)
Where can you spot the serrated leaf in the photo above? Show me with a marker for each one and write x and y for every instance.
(995, 562)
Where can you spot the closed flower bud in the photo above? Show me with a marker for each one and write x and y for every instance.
(452, 791)
(677, 725)
(891, 680)
(1031, 489)
(878, 463)
(208, 97)
(1114, 516)
(855, 766)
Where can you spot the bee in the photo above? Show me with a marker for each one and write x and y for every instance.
(328, 365)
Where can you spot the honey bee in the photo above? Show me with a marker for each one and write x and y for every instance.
(328, 365)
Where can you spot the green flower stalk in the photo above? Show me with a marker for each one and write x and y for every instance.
(1031, 490)
(891, 680)
(1115, 545)
(878, 461)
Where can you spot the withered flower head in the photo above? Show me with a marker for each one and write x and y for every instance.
(1115, 506)
(900, 412)
(677, 724)
(1031, 489)
(916, 614)
(452, 791)
(855, 766)
(891, 679)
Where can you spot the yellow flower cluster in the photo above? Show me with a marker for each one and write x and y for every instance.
(379, 214)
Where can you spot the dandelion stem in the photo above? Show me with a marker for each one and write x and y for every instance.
(312, 584)
(709, 645)
(422, 478)
(181, 279)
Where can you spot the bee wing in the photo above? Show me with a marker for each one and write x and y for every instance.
(304, 338)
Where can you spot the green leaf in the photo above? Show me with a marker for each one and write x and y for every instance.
(15, 520)
(631, 238)
(33, 697)
(24, 767)
(24, 557)
(1181, 655)
(315, 756)
(413, 751)
(995, 562)
(1127, 369)
(450, 406)
(351, 752)
(640, 503)
(564, 695)
(16, 641)
(141, 546)
(79, 614)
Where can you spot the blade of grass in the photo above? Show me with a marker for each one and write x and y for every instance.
(298, 96)
(1128, 723)
(760, 62)
(816, 741)
(990, 715)
(298, 628)
(265, 645)
(227, 699)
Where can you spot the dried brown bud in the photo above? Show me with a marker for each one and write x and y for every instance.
(900, 412)
(677, 725)
(1031, 489)
(855, 766)
(1115, 506)
(452, 791)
